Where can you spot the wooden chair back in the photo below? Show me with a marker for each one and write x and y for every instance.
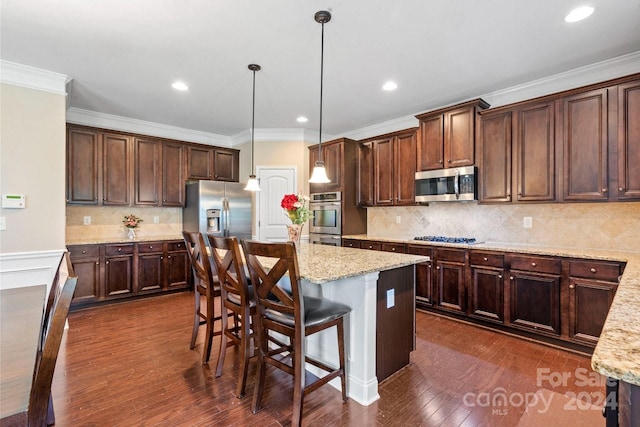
(56, 288)
(227, 259)
(200, 264)
(53, 329)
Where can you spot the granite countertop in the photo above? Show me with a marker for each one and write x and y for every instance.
(124, 239)
(322, 263)
(617, 354)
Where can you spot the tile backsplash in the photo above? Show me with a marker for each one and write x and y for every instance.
(612, 226)
(106, 222)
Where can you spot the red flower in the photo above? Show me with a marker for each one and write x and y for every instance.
(288, 202)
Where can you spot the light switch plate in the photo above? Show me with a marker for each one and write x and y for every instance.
(398, 219)
(527, 222)
(87, 220)
(156, 219)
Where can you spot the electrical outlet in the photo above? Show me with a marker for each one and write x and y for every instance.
(398, 219)
(527, 222)
(156, 219)
(87, 220)
(3, 223)
(391, 298)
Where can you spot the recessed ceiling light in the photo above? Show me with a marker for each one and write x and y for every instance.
(179, 86)
(579, 13)
(302, 119)
(390, 86)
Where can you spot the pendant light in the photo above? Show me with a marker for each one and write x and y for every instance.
(252, 183)
(319, 175)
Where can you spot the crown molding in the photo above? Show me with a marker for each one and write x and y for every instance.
(382, 128)
(125, 124)
(33, 78)
(278, 135)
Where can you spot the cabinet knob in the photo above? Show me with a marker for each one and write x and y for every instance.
(621, 189)
(104, 199)
(499, 276)
(84, 252)
(161, 257)
(393, 249)
(533, 264)
(119, 249)
(215, 176)
(97, 262)
(510, 277)
(440, 161)
(168, 256)
(449, 160)
(604, 190)
(485, 259)
(150, 246)
(429, 265)
(164, 200)
(106, 262)
(593, 270)
(438, 268)
(572, 286)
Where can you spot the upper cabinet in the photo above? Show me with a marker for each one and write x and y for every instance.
(386, 169)
(220, 164)
(447, 136)
(98, 167)
(336, 155)
(576, 146)
(114, 168)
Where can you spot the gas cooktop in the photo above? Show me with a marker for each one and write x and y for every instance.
(445, 239)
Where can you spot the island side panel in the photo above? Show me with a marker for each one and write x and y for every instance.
(395, 320)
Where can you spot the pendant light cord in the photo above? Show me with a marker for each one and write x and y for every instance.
(321, 85)
(253, 120)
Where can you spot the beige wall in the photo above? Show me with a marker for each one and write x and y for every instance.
(287, 153)
(611, 226)
(32, 162)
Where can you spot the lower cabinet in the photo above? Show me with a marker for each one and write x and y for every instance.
(424, 282)
(116, 271)
(486, 290)
(450, 290)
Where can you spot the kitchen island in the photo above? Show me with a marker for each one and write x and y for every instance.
(379, 287)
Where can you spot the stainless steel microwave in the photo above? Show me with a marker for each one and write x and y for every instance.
(446, 185)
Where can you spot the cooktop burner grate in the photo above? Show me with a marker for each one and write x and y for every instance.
(445, 239)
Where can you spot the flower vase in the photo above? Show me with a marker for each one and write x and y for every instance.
(132, 233)
(295, 231)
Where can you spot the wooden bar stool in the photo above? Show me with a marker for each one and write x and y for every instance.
(291, 314)
(236, 296)
(205, 283)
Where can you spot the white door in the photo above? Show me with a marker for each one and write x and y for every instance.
(274, 183)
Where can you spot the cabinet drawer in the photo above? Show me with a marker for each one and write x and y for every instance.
(420, 250)
(486, 259)
(175, 246)
(374, 246)
(394, 247)
(600, 270)
(110, 250)
(79, 251)
(150, 247)
(539, 264)
(452, 255)
(351, 243)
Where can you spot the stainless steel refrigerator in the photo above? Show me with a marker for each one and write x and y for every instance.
(216, 207)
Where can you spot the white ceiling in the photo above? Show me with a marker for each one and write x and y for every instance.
(123, 55)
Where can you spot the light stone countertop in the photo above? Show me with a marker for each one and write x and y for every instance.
(123, 239)
(617, 354)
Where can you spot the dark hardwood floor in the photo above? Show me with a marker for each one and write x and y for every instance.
(129, 364)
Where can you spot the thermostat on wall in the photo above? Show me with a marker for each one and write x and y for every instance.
(13, 201)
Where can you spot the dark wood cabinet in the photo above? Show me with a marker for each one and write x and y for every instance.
(199, 162)
(98, 167)
(486, 290)
(226, 164)
(424, 274)
(592, 286)
(147, 172)
(585, 145)
(494, 148)
(115, 271)
(628, 141)
(447, 136)
(351, 243)
(387, 169)
(450, 281)
(535, 294)
(173, 174)
(334, 158)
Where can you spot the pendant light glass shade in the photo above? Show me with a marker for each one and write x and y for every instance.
(252, 183)
(319, 175)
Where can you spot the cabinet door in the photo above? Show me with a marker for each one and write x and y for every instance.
(430, 143)
(150, 272)
(629, 141)
(116, 169)
(450, 286)
(148, 172)
(364, 195)
(535, 302)
(225, 165)
(383, 171)
(534, 146)
(487, 294)
(459, 129)
(589, 302)
(177, 270)
(424, 270)
(495, 158)
(199, 163)
(83, 152)
(585, 146)
(118, 276)
(405, 169)
(351, 243)
(173, 182)
(88, 287)
(332, 156)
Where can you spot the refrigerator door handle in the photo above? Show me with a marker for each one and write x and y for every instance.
(225, 216)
